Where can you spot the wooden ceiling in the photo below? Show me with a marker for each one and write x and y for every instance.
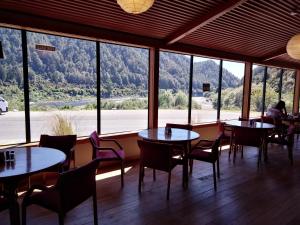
(251, 30)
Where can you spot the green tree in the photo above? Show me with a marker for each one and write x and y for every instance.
(181, 100)
(166, 99)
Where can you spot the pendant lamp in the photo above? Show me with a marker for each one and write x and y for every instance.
(135, 6)
(293, 47)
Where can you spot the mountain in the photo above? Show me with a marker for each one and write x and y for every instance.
(69, 72)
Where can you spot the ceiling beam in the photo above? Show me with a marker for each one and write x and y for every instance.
(275, 54)
(201, 21)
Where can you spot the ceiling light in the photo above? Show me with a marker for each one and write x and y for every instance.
(135, 6)
(293, 47)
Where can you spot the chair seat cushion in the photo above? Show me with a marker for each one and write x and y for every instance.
(48, 198)
(201, 155)
(109, 155)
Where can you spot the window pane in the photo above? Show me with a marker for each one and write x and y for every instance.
(62, 85)
(288, 85)
(232, 90)
(174, 78)
(124, 88)
(256, 105)
(11, 88)
(204, 103)
(272, 87)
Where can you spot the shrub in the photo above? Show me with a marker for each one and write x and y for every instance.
(61, 125)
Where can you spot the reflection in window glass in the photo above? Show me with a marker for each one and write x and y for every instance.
(12, 116)
(204, 102)
(62, 84)
(288, 85)
(232, 90)
(256, 103)
(174, 78)
(124, 88)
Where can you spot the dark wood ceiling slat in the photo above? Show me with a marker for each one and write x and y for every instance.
(256, 28)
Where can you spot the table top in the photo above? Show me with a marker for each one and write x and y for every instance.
(30, 160)
(291, 119)
(177, 135)
(248, 124)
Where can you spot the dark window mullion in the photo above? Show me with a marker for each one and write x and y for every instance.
(264, 90)
(280, 84)
(190, 88)
(220, 89)
(295, 74)
(98, 79)
(26, 86)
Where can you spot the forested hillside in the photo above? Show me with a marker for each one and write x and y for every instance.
(66, 77)
(69, 72)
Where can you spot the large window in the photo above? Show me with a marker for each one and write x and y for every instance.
(64, 90)
(272, 88)
(278, 83)
(204, 102)
(12, 123)
(124, 88)
(232, 90)
(256, 99)
(174, 78)
(62, 85)
(287, 91)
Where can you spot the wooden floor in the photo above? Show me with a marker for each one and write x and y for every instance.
(245, 195)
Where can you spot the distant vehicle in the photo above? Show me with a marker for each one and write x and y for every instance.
(3, 105)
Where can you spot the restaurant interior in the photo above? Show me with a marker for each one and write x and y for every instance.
(205, 130)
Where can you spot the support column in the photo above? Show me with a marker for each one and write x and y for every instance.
(296, 92)
(247, 90)
(153, 88)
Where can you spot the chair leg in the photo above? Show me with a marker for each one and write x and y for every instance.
(141, 175)
(95, 208)
(23, 214)
(218, 168)
(169, 182)
(242, 153)
(235, 148)
(122, 173)
(215, 179)
(73, 156)
(61, 219)
(259, 157)
(154, 175)
(290, 152)
(191, 166)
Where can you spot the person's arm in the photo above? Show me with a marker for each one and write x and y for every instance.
(284, 111)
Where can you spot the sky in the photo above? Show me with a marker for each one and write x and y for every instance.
(235, 68)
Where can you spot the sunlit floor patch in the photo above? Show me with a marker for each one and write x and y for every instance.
(114, 173)
(20, 193)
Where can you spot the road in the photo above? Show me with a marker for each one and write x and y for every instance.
(12, 124)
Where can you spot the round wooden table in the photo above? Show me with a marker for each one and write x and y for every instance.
(176, 136)
(249, 124)
(263, 128)
(28, 160)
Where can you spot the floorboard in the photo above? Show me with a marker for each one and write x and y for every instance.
(246, 195)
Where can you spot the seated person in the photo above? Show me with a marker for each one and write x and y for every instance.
(278, 111)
